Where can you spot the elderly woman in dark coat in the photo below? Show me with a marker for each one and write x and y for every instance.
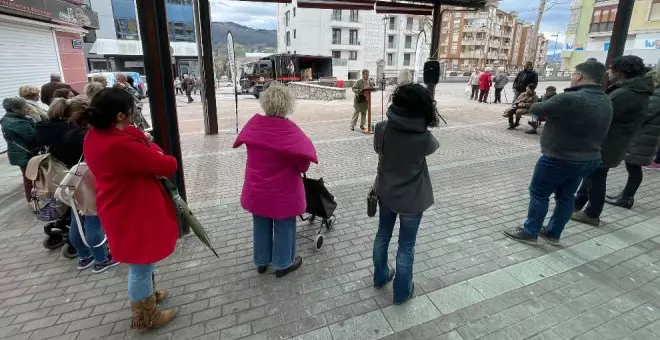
(642, 150)
(18, 130)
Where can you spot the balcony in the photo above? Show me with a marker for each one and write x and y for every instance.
(345, 21)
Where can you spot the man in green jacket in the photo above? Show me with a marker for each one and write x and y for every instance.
(19, 132)
(360, 102)
(629, 90)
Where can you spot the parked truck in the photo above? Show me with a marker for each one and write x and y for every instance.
(283, 68)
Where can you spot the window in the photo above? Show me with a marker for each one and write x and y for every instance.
(390, 59)
(294, 12)
(123, 12)
(294, 34)
(390, 42)
(409, 23)
(336, 14)
(286, 19)
(353, 37)
(602, 19)
(352, 55)
(180, 20)
(654, 13)
(354, 17)
(392, 23)
(353, 75)
(406, 59)
(408, 41)
(288, 38)
(336, 54)
(336, 36)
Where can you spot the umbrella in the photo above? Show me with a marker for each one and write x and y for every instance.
(185, 216)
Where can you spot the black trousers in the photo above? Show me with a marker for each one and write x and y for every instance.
(592, 191)
(635, 177)
(483, 96)
(190, 99)
(475, 92)
(498, 95)
(657, 157)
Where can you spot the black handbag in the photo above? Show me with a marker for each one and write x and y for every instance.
(372, 196)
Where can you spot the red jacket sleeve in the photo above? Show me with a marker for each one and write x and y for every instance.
(140, 158)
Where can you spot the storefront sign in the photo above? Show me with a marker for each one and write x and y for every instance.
(647, 41)
(77, 43)
(51, 10)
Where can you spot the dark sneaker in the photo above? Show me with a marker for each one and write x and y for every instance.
(85, 263)
(296, 264)
(581, 216)
(103, 266)
(620, 201)
(519, 234)
(262, 269)
(531, 132)
(550, 239)
(389, 278)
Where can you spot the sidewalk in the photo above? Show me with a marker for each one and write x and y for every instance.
(471, 282)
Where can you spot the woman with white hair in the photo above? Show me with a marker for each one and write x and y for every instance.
(278, 151)
(501, 79)
(38, 110)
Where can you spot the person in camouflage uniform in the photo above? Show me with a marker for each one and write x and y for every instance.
(360, 102)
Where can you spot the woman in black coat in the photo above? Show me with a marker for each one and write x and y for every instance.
(642, 150)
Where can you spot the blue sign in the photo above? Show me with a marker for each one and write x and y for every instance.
(606, 46)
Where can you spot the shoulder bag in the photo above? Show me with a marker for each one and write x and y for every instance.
(372, 196)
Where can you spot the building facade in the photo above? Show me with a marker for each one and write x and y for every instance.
(117, 47)
(40, 37)
(355, 39)
(590, 28)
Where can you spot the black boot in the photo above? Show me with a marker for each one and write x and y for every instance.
(620, 201)
(517, 123)
(511, 127)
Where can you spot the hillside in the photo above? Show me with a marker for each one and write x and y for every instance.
(252, 39)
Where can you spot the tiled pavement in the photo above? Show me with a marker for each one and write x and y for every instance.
(471, 281)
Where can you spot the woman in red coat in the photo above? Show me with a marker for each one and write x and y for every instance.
(138, 217)
(485, 82)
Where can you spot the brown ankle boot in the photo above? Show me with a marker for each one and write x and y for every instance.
(160, 294)
(146, 314)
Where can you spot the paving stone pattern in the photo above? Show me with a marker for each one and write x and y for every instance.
(471, 282)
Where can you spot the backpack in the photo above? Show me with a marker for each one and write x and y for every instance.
(41, 170)
(77, 189)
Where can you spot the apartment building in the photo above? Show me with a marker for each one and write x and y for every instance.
(590, 28)
(355, 39)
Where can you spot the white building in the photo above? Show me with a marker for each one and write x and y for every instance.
(355, 39)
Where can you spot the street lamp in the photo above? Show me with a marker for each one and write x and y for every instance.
(554, 53)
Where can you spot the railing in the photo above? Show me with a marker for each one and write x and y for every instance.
(354, 43)
(344, 19)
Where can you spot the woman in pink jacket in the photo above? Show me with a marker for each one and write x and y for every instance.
(278, 151)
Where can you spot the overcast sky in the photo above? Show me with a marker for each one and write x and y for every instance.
(262, 15)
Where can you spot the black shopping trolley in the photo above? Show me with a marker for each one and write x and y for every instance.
(320, 203)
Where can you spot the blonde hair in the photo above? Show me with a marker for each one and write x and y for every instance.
(29, 92)
(277, 100)
(99, 78)
(66, 109)
(92, 89)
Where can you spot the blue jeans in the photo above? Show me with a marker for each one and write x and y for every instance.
(562, 178)
(405, 256)
(93, 234)
(140, 285)
(274, 241)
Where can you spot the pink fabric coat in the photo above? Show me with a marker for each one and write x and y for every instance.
(485, 81)
(278, 151)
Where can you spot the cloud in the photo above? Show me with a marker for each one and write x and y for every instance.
(251, 14)
(554, 18)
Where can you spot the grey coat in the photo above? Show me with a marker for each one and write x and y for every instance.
(501, 80)
(403, 183)
(644, 146)
(630, 99)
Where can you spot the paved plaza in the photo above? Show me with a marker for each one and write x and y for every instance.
(471, 282)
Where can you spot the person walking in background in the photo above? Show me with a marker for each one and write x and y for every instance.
(524, 78)
(522, 106)
(360, 102)
(629, 90)
(188, 87)
(18, 131)
(536, 120)
(126, 168)
(177, 86)
(577, 123)
(642, 150)
(38, 110)
(63, 134)
(278, 152)
(474, 83)
(50, 87)
(403, 184)
(501, 79)
(485, 82)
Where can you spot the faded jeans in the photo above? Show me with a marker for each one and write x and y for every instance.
(405, 257)
(274, 241)
(140, 285)
(93, 235)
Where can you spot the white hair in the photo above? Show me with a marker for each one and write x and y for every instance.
(404, 78)
(501, 69)
(488, 69)
(276, 100)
